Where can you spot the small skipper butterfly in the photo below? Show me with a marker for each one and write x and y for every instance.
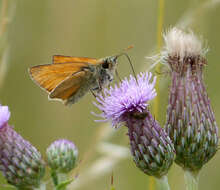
(70, 78)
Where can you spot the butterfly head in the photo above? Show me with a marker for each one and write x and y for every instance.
(109, 63)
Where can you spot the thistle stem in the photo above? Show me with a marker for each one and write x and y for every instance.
(163, 183)
(159, 44)
(191, 180)
(42, 187)
(59, 178)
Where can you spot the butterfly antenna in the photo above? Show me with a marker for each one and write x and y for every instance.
(129, 60)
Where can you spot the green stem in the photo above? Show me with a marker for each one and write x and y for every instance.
(59, 180)
(192, 180)
(41, 187)
(160, 18)
(163, 183)
(62, 177)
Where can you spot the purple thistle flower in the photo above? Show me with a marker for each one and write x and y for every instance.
(20, 162)
(62, 155)
(190, 120)
(129, 97)
(151, 147)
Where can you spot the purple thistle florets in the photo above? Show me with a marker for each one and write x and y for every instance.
(4, 115)
(129, 96)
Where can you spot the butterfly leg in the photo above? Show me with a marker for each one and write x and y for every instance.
(93, 93)
(100, 86)
(116, 73)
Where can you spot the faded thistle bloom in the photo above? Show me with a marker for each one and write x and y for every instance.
(20, 162)
(62, 156)
(127, 103)
(190, 120)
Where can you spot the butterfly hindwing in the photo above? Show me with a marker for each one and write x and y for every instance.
(70, 87)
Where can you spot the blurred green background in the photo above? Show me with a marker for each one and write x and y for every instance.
(97, 28)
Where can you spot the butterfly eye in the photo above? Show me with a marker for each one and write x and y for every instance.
(105, 65)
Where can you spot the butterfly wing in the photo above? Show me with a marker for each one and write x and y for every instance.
(50, 76)
(69, 59)
(72, 88)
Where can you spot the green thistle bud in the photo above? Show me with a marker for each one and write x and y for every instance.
(62, 155)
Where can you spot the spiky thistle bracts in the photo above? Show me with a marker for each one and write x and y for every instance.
(20, 162)
(151, 147)
(190, 120)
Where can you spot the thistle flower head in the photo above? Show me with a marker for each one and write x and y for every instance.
(62, 155)
(130, 96)
(20, 162)
(190, 120)
(151, 148)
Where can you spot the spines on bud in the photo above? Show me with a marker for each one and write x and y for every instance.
(190, 120)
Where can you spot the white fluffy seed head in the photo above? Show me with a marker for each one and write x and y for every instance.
(182, 44)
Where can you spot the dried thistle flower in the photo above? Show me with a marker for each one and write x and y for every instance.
(151, 148)
(20, 162)
(190, 120)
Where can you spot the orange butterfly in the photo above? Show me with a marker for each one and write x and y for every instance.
(69, 78)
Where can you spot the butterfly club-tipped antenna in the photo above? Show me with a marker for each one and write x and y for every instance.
(129, 60)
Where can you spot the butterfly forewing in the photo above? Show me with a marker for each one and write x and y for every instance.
(50, 76)
(69, 59)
